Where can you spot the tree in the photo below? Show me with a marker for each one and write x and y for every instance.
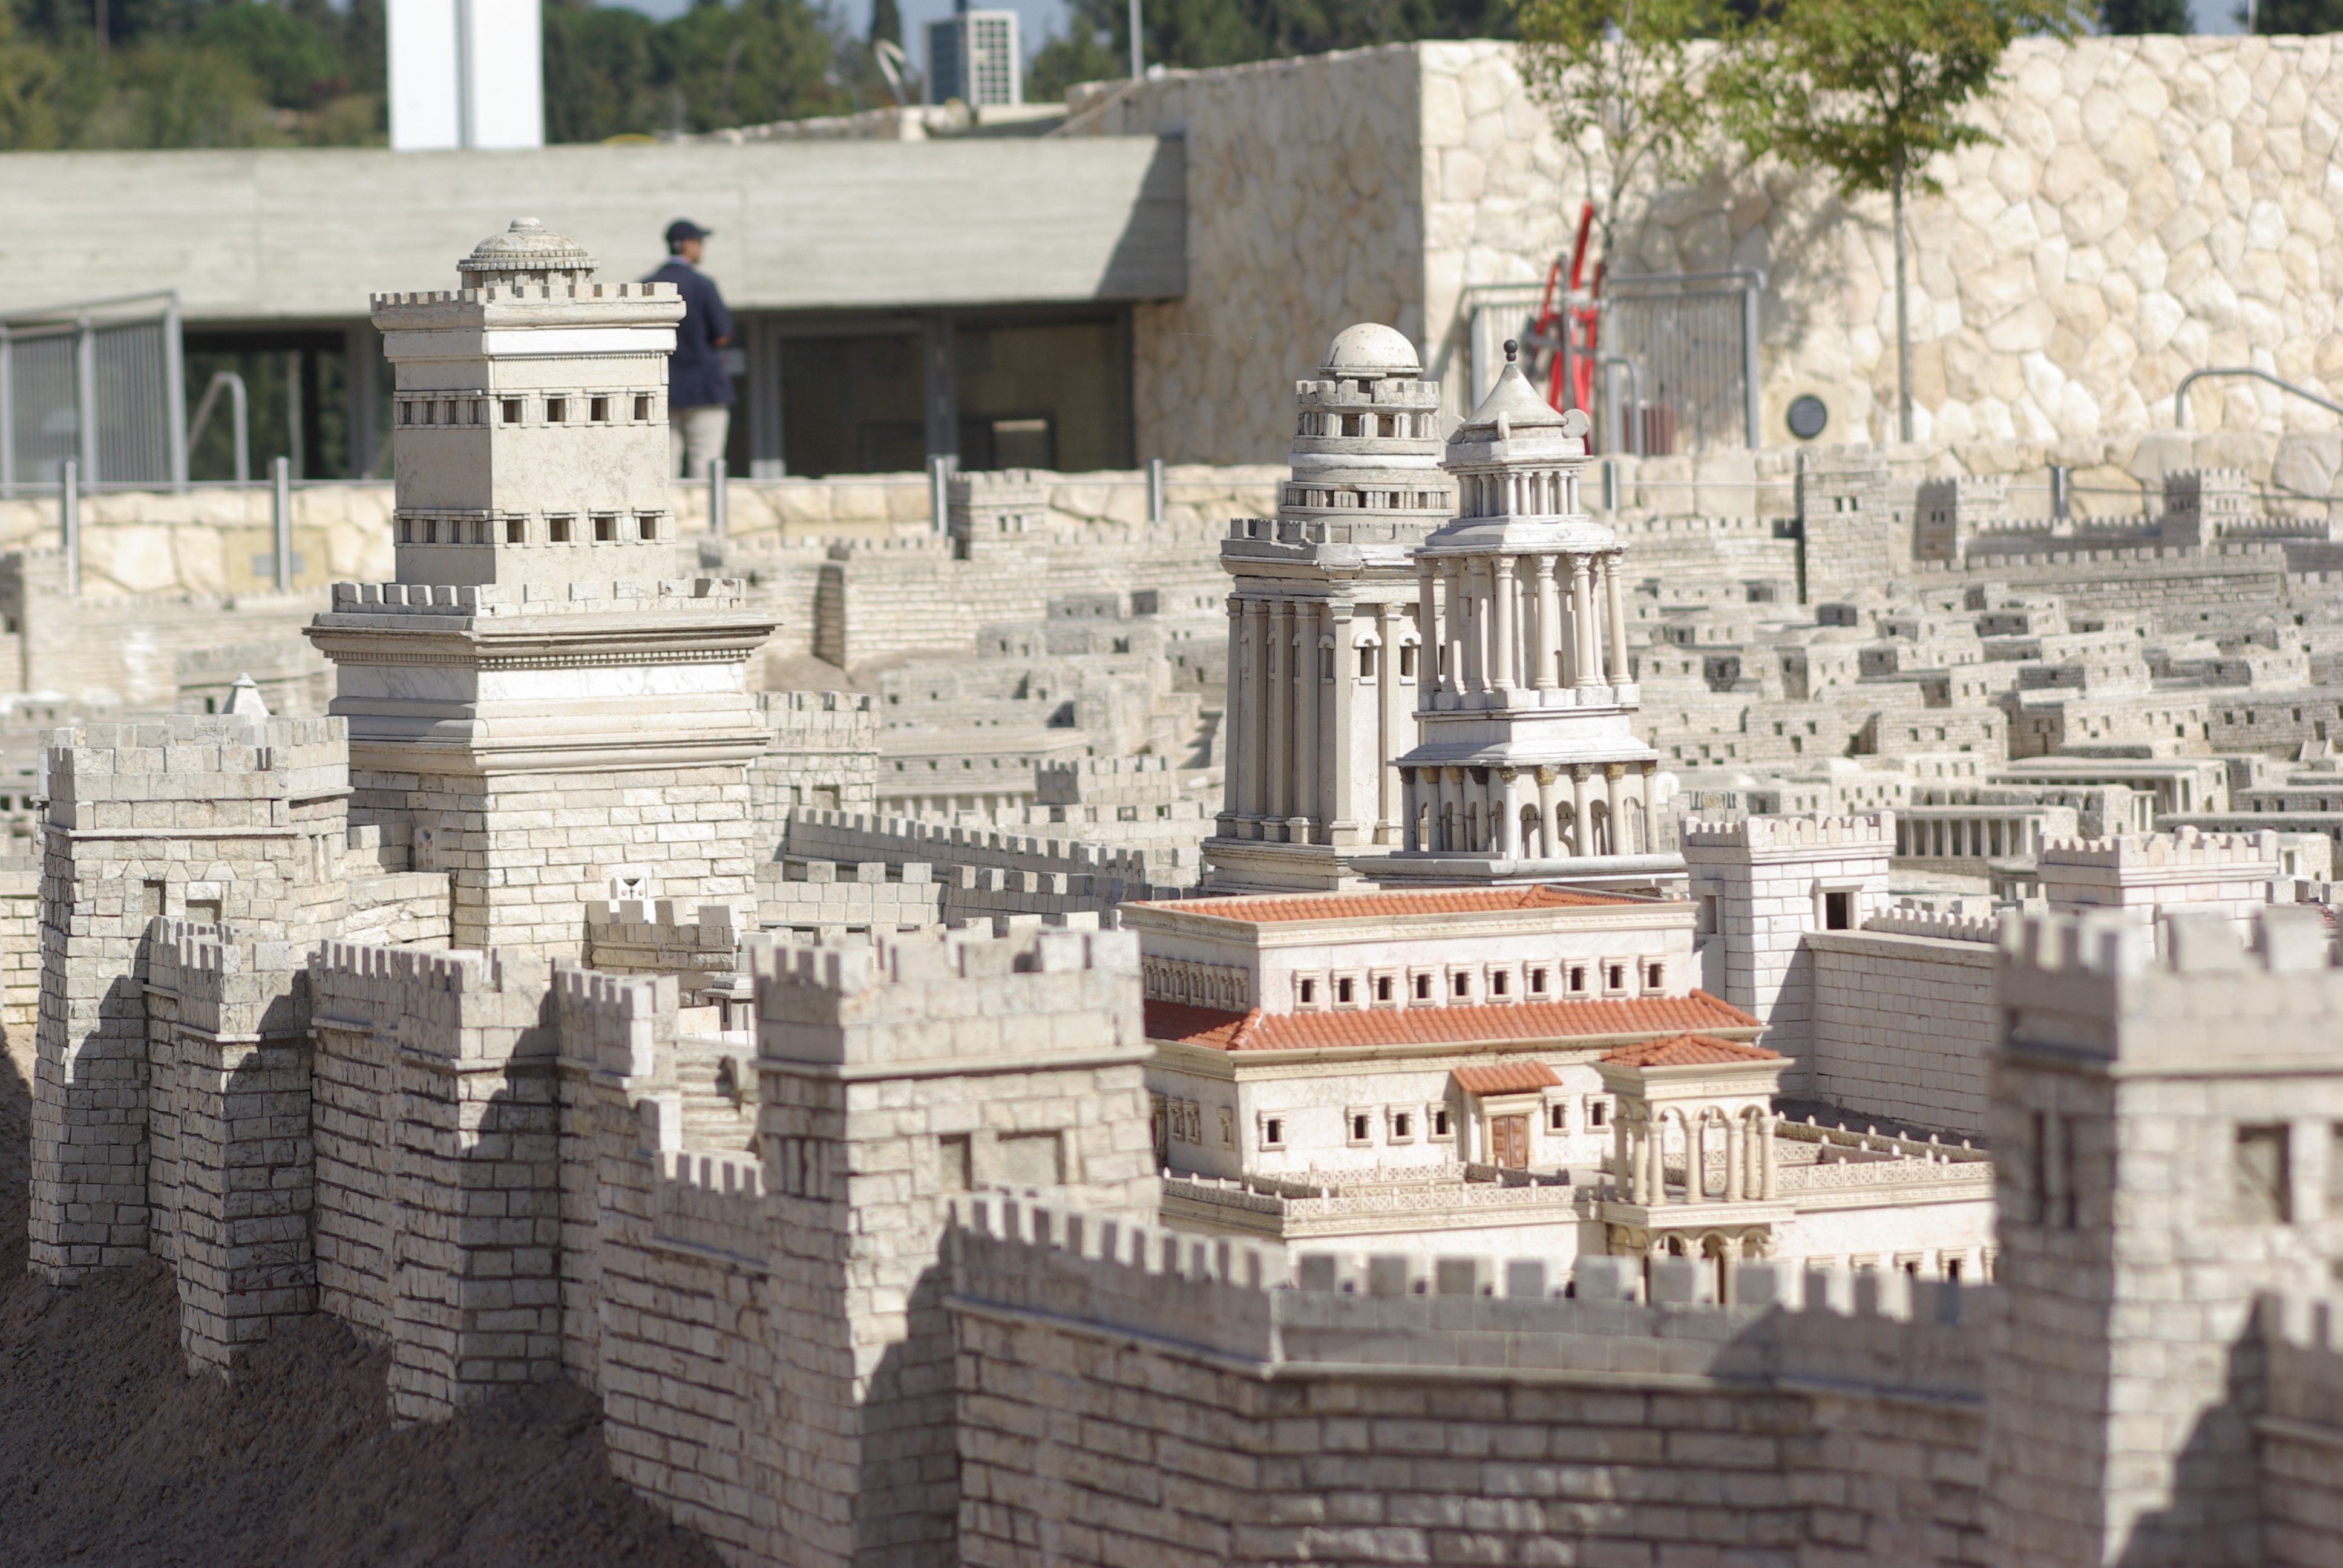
(886, 22)
(1873, 89)
(2133, 17)
(2293, 15)
(1623, 82)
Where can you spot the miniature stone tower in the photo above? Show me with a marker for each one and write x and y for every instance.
(1322, 631)
(2166, 1142)
(1528, 767)
(553, 704)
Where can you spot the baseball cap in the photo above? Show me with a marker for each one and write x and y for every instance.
(683, 228)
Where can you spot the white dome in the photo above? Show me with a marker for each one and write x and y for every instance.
(1370, 349)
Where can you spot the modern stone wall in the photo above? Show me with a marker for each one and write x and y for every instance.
(2157, 205)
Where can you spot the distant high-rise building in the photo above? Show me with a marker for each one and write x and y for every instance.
(975, 56)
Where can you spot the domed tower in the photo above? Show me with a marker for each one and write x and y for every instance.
(551, 695)
(1321, 624)
(1528, 768)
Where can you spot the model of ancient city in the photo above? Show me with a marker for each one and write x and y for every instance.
(1486, 1016)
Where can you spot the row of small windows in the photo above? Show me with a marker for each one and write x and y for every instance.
(561, 410)
(1368, 1126)
(558, 528)
(1372, 500)
(1314, 422)
(1533, 983)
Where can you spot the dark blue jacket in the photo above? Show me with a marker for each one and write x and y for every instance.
(695, 371)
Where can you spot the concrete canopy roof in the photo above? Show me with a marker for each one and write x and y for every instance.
(307, 234)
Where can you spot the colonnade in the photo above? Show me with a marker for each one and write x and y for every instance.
(1305, 677)
(1640, 1152)
(2013, 832)
(1530, 813)
(1537, 621)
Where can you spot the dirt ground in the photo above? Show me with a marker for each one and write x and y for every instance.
(111, 1454)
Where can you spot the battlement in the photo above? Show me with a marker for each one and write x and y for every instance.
(2288, 939)
(1933, 923)
(1875, 831)
(464, 1009)
(1394, 392)
(1101, 765)
(620, 1024)
(1054, 994)
(495, 600)
(2186, 848)
(227, 983)
(115, 776)
(899, 837)
(1305, 532)
(520, 294)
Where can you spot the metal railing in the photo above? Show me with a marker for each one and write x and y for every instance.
(2180, 393)
(100, 382)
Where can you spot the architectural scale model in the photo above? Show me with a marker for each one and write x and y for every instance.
(1508, 1130)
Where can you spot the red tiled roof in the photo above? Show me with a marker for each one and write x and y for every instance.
(1361, 906)
(1689, 1051)
(1506, 1078)
(1534, 1022)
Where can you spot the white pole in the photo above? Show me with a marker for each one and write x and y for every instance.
(281, 474)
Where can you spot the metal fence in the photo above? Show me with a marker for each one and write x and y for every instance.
(1675, 355)
(98, 383)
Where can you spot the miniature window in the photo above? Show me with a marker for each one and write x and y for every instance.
(1343, 989)
(406, 413)
(1403, 1126)
(1423, 988)
(1366, 663)
(1838, 911)
(1615, 977)
(557, 409)
(1500, 983)
(1656, 976)
(557, 529)
(1359, 1123)
(1309, 992)
(512, 410)
(1407, 662)
(1598, 1112)
(1538, 978)
(1578, 977)
(1557, 1116)
(2264, 1175)
(1438, 1122)
(599, 410)
(1383, 987)
(606, 529)
(953, 1166)
(647, 526)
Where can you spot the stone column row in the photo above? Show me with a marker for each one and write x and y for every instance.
(1749, 1165)
(1525, 813)
(1504, 625)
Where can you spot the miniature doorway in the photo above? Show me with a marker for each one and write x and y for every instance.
(1509, 1142)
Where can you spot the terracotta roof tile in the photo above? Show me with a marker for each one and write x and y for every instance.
(1689, 1051)
(1525, 1023)
(1362, 906)
(1506, 1078)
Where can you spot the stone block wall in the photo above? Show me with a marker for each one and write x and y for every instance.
(1122, 1405)
(1904, 1026)
(205, 819)
(20, 958)
(630, 937)
(825, 757)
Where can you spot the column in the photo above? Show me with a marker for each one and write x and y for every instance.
(1392, 721)
(1615, 606)
(1659, 1155)
(1544, 674)
(1622, 1174)
(1309, 689)
(1475, 622)
(1579, 844)
(1549, 844)
(1277, 678)
(1501, 630)
(1453, 613)
(1506, 841)
(1232, 725)
(1729, 1288)
(1408, 841)
(1582, 622)
(1448, 811)
(1427, 626)
(1766, 1147)
(1732, 1156)
(1339, 786)
(1613, 777)
(1256, 713)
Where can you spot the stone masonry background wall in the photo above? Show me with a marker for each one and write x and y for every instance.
(2159, 205)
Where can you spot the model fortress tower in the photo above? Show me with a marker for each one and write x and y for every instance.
(556, 712)
(1322, 629)
(1527, 769)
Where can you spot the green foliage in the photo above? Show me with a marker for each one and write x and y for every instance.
(885, 22)
(600, 79)
(2296, 15)
(289, 55)
(1872, 89)
(2146, 17)
(1626, 84)
(1194, 34)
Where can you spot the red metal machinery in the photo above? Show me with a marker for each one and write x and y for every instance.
(1565, 330)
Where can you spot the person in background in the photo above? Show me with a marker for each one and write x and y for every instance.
(700, 395)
